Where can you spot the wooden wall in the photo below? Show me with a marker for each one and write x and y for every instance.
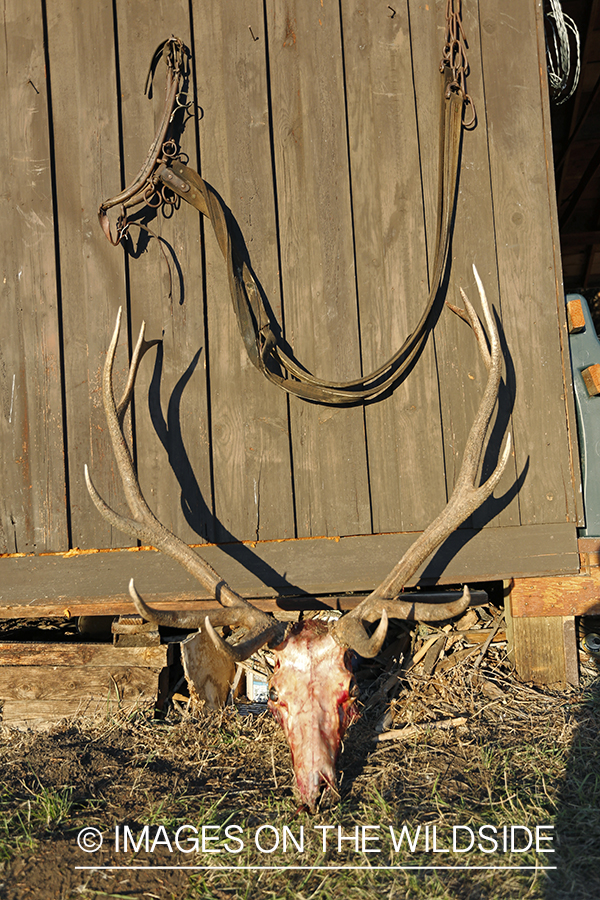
(317, 122)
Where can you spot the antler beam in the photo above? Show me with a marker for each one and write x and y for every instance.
(145, 527)
(465, 499)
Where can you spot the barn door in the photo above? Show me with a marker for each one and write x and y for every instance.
(317, 122)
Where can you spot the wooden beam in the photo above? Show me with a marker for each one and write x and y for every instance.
(539, 647)
(96, 584)
(20, 653)
(285, 608)
(543, 649)
(36, 714)
(575, 316)
(110, 683)
(575, 595)
(579, 239)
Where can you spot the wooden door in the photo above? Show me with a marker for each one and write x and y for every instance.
(317, 122)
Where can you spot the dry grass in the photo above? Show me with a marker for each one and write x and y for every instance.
(524, 756)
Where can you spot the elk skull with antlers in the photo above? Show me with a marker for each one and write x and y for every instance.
(312, 691)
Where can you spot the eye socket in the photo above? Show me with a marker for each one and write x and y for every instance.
(273, 695)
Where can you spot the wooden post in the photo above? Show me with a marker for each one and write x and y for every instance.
(543, 649)
(540, 616)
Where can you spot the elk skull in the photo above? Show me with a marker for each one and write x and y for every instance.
(312, 695)
(312, 691)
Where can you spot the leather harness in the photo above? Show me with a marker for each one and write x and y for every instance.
(163, 169)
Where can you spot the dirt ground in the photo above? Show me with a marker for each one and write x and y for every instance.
(126, 773)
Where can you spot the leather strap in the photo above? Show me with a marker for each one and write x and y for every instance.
(162, 170)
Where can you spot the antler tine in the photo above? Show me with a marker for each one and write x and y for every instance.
(140, 348)
(465, 499)
(260, 632)
(143, 524)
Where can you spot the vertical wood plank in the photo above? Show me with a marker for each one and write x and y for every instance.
(406, 464)
(462, 374)
(250, 437)
(172, 424)
(544, 649)
(32, 475)
(522, 215)
(474, 242)
(574, 494)
(318, 272)
(82, 70)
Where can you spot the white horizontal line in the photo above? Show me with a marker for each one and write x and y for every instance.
(319, 868)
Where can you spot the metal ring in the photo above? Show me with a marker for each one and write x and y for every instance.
(178, 102)
(152, 197)
(122, 227)
(468, 102)
(168, 196)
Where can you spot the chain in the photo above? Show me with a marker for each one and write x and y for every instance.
(454, 56)
(145, 188)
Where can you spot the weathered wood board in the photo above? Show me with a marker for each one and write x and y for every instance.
(29, 715)
(118, 683)
(317, 122)
(32, 451)
(42, 683)
(575, 595)
(91, 584)
(21, 653)
(544, 649)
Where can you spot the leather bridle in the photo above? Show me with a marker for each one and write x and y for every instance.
(164, 177)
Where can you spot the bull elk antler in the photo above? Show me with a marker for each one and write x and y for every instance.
(311, 691)
(145, 527)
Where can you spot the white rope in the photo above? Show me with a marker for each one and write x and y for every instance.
(558, 53)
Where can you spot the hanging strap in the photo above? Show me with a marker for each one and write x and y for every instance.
(163, 170)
